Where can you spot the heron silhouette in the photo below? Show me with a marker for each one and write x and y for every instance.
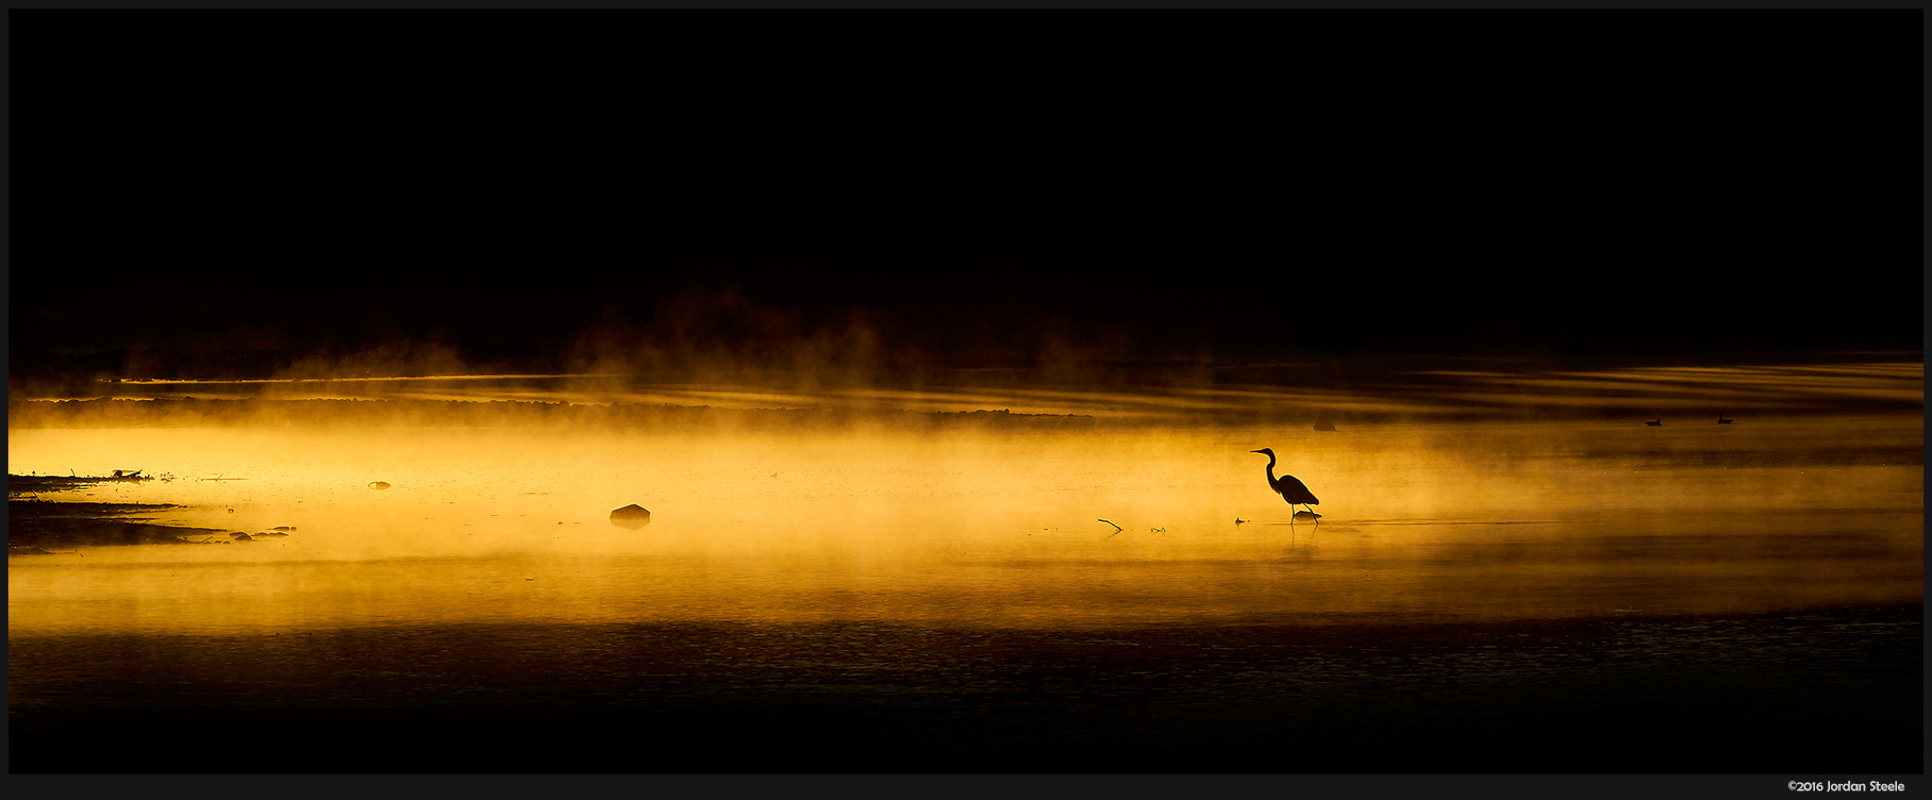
(1290, 489)
(1721, 420)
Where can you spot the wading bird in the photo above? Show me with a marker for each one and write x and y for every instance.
(1721, 420)
(1287, 486)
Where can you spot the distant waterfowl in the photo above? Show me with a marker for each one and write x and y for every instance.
(1654, 422)
(1290, 489)
(1721, 420)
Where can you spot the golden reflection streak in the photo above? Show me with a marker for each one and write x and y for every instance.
(1667, 385)
(370, 379)
(1652, 388)
(1762, 379)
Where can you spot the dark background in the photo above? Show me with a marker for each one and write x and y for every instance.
(228, 199)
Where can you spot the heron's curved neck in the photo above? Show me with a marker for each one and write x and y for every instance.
(1271, 467)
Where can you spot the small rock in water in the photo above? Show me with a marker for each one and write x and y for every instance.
(378, 484)
(632, 516)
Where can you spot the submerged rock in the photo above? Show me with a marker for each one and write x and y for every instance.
(378, 485)
(632, 516)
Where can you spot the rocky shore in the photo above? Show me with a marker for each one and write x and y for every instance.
(47, 527)
(41, 527)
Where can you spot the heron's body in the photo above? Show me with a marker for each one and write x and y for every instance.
(1290, 488)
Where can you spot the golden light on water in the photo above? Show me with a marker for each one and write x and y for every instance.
(944, 404)
(1424, 514)
(967, 575)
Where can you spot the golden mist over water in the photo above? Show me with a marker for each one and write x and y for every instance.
(963, 523)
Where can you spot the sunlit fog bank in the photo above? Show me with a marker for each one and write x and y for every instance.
(1446, 489)
(1108, 509)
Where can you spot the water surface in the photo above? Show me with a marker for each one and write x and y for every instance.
(892, 542)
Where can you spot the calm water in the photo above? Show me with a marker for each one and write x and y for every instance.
(896, 537)
(1427, 520)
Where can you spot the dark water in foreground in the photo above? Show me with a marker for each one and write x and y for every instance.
(1837, 691)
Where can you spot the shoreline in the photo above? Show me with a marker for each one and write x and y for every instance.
(40, 527)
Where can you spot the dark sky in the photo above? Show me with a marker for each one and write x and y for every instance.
(1241, 187)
